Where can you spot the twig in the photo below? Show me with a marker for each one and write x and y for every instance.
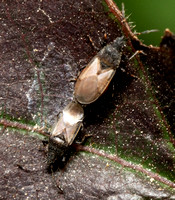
(122, 20)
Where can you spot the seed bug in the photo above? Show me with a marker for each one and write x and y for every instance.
(96, 76)
(90, 85)
(64, 132)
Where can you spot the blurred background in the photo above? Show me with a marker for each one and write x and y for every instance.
(150, 14)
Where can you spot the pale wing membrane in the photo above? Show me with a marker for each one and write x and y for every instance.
(86, 92)
(71, 132)
(68, 124)
(104, 79)
(58, 127)
(92, 68)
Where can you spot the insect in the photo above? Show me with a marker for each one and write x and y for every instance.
(65, 131)
(96, 76)
(90, 85)
(69, 123)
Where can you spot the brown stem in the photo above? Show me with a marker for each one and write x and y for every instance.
(118, 14)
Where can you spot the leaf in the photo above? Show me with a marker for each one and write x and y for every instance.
(43, 46)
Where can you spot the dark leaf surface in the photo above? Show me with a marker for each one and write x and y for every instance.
(43, 46)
